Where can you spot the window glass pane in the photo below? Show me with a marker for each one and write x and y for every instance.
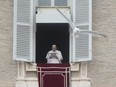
(44, 2)
(60, 2)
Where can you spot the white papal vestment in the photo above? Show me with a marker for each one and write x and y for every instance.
(54, 56)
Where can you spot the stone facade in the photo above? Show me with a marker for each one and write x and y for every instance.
(7, 65)
(101, 70)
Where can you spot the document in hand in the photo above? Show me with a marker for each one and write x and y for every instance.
(53, 55)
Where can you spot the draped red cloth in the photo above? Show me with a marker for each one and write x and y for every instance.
(53, 75)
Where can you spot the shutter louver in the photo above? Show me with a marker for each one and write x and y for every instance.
(23, 41)
(23, 30)
(82, 11)
(83, 44)
(23, 11)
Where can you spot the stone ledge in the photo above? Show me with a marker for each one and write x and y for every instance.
(27, 79)
(80, 79)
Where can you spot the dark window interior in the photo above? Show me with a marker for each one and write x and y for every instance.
(52, 33)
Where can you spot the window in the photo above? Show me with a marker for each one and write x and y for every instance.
(24, 29)
(60, 2)
(54, 33)
(53, 2)
(44, 2)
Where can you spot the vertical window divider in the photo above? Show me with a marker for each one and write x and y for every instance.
(52, 2)
(68, 2)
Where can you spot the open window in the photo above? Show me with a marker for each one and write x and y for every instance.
(52, 28)
(24, 39)
(48, 34)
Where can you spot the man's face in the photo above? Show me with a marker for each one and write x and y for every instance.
(54, 47)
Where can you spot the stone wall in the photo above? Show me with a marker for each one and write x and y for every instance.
(7, 65)
(102, 70)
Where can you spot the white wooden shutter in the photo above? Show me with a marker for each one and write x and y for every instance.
(23, 30)
(82, 17)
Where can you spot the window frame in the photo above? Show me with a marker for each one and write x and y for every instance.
(53, 4)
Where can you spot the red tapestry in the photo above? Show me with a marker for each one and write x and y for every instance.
(53, 75)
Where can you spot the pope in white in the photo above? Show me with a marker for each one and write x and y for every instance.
(54, 56)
